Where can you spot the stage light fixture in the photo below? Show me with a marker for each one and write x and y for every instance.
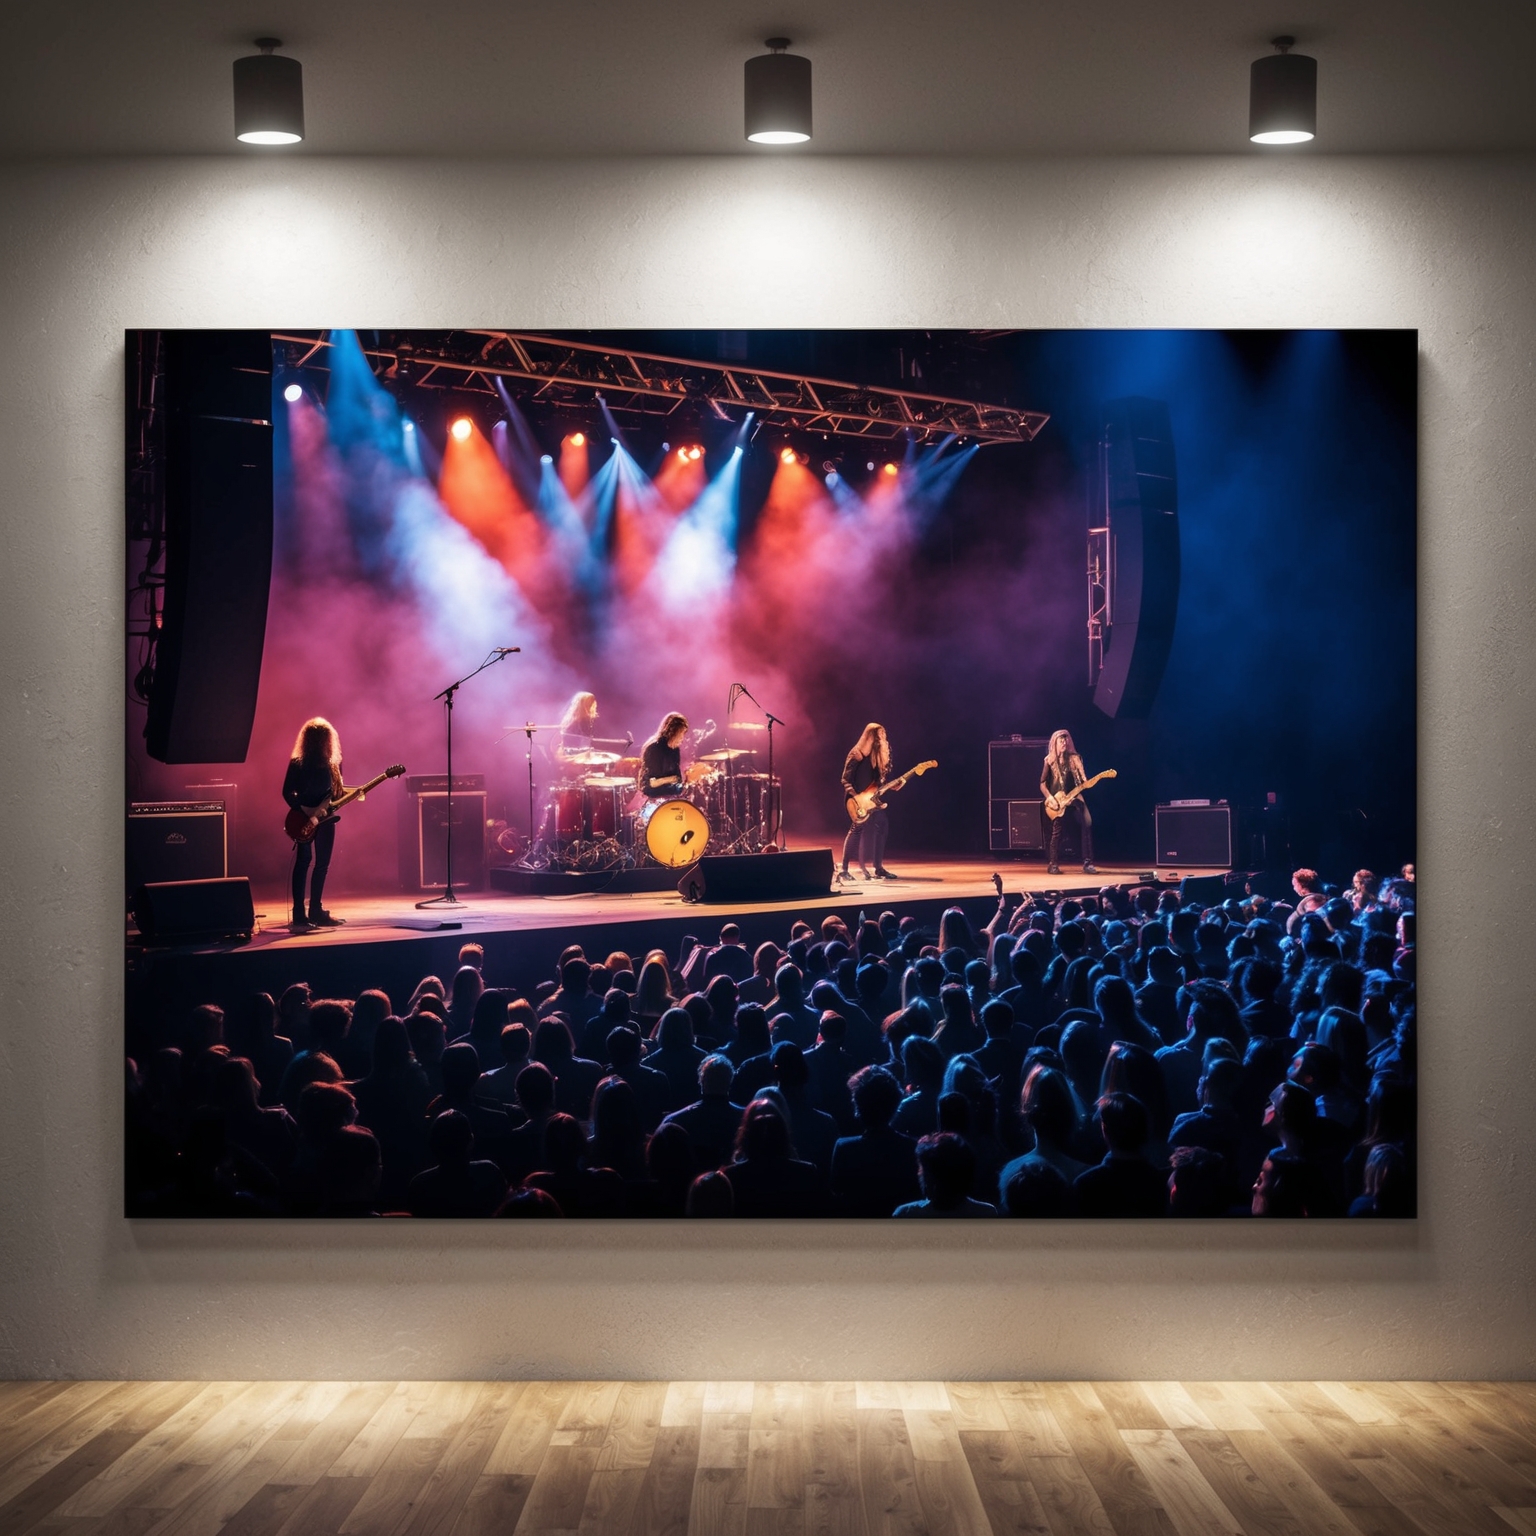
(695, 453)
(269, 97)
(666, 447)
(870, 467)
(293, 393)
(461, 429)
(786, 455)
(890, 469)
(578, 439)
(545, 458)
(1282, 96)
(778, 96)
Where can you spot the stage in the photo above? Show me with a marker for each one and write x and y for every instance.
(387, 942)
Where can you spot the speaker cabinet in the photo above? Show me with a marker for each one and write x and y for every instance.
(1013, 793)
(759, 877)
(424, 832)
(1138, 500)
(218, 545)
(1015, 826)
(180, 911)
(175, 840)
(1194, 834)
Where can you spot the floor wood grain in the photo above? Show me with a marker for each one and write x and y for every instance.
(781, 1458)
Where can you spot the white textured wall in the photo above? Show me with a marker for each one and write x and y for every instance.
(88, 249)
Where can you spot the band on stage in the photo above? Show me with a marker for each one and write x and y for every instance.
(611, 809)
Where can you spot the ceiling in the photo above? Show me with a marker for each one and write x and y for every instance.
(974, 77)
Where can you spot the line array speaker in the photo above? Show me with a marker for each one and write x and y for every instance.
(1139, 487)
(218, 545)
(759, 876)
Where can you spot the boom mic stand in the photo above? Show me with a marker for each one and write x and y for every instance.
(448, 899)
(738, 691)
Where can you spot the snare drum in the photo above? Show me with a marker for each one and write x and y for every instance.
(675, 831)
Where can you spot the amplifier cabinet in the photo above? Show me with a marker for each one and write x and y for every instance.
(175, 840)
(1013, 793)
(1014, 826)
(1199, 835)
(424, 834)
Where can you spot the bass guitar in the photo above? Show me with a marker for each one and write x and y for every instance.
(867, 800)
(1057, 811)
(301, 825)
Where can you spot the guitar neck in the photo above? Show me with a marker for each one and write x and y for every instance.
(362, 789)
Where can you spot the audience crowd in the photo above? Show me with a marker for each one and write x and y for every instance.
(1125, 1054)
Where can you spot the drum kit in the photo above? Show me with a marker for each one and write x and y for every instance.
(598, 818)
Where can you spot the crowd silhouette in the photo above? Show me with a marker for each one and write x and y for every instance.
(1116, 1055)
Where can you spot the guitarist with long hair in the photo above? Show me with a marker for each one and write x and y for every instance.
(313, 780)
(867, 766)
(1062, 773)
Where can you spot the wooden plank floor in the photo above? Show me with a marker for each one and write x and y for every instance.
(1156, 1458)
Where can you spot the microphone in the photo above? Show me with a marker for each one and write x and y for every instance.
(506, 650)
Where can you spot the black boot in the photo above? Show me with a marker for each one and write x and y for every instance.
(320, 918)
(299, 920)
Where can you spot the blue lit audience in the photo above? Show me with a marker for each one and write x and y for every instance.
(1123, 1055)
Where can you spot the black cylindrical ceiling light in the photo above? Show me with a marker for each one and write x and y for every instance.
(1282, 96)
(269, 97)
(778, 96)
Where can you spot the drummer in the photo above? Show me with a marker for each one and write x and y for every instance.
(661, 762)
(578, 738)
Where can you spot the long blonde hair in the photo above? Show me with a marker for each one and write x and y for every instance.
(318, 742)
(874, 744)
(579, 714)
(1062, 747)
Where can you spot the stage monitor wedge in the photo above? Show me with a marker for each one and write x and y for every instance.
(1137, 496)
(182, 911)
(759, 877)
(218, 545)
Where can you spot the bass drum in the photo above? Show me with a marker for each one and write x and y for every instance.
(675, 831)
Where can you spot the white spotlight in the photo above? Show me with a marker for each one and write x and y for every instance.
(293, 393)
(269, 97)
(778, 96)
(1282, 96)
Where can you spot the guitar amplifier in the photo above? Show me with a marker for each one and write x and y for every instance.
(424, 832)
(175, 840)
(1015, 826)
(1013, 794)
(1199, 835)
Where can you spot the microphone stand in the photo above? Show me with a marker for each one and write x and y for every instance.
(448, 899)
(740, 690)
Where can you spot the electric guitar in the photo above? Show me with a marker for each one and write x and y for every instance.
(867, 800)
(301, 825)
(1057, 811)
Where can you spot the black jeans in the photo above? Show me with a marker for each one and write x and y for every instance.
(319, 849)
(1084, 821)
(868, 840)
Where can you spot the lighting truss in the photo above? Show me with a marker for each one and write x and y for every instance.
(642, 384)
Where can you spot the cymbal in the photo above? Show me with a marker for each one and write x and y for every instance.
(607, 781)
(725, 754)
(746, 725)
(528, 725)
(592, 759)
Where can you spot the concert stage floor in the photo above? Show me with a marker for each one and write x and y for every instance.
(387, 942)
